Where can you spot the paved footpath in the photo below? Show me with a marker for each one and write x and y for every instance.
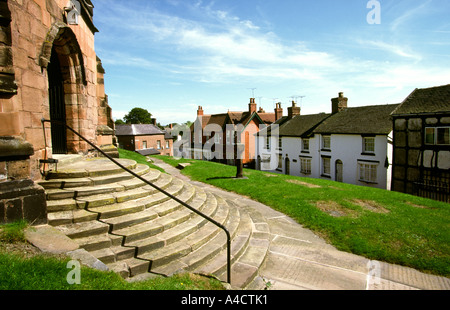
(298, 259)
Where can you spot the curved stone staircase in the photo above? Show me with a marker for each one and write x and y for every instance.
(135, 230)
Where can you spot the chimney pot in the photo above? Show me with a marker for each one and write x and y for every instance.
(338, 104)
(278, 111)
(252, 106)
(200, 111)
(294, 110)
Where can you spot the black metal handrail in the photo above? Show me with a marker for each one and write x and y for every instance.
(152, 185)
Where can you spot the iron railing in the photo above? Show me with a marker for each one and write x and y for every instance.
(43, 121)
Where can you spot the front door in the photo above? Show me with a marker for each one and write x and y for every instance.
(57, 105)
(339, 170)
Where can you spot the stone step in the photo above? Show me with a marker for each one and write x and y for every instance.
(84, 229)
(139, 235)
(240, 242)
(94, 181)
(71, 216)
(189, 225)
(83, 191)
(138, 204)
(98, 200)
(114, 254)
(131, 267)
(249, 258)
(120, 222)
(94, 167)
(205, 243)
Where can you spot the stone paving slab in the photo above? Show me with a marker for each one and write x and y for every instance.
(49, 239)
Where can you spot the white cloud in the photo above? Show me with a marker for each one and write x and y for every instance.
(392, 48)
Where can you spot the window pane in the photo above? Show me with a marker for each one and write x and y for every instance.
(429, 135)
(443, 136)
(306, 144)
(368, 172)
(369, 145)
(305, 166)
(326, 142)
(326, 165)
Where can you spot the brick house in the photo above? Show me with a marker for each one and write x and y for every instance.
(49, 69)
(422, 144)
(214, 136)
(146, 139)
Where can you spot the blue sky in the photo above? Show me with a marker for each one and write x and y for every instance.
(171, 56)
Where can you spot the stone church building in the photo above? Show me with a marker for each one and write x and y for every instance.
(48, 70)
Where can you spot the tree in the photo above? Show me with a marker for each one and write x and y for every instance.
(138, 116)
(119, 122)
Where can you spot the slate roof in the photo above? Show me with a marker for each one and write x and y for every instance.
(374, 119)
(138, 130)
(302, 125)
(426, 100)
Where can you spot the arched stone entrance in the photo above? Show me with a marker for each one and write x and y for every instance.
(62, 57)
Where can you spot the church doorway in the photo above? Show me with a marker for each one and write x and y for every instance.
(57, 105)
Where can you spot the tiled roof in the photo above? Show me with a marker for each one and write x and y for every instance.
(138, 130)
(360, 120)
(426, 100)
(302, 125)
(267, 118)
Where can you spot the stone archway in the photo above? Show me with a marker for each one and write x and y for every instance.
(62, 43)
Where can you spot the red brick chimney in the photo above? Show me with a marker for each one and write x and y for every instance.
(338, 104)
(278, 111)
(252, 106)
(294, 110)
(200, 111)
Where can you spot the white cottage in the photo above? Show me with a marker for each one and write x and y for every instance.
(350, 145)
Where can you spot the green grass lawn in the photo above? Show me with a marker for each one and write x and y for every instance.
(378, 224)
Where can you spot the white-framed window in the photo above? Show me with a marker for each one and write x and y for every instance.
(280, 143)
(305, 145)
(167, 144)
(144, 145)
(368, 172)
(437, 135)
(158, 144)
(305, 165)
(326, 166)
(326, 142)
(280, 161)
(368, 145)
